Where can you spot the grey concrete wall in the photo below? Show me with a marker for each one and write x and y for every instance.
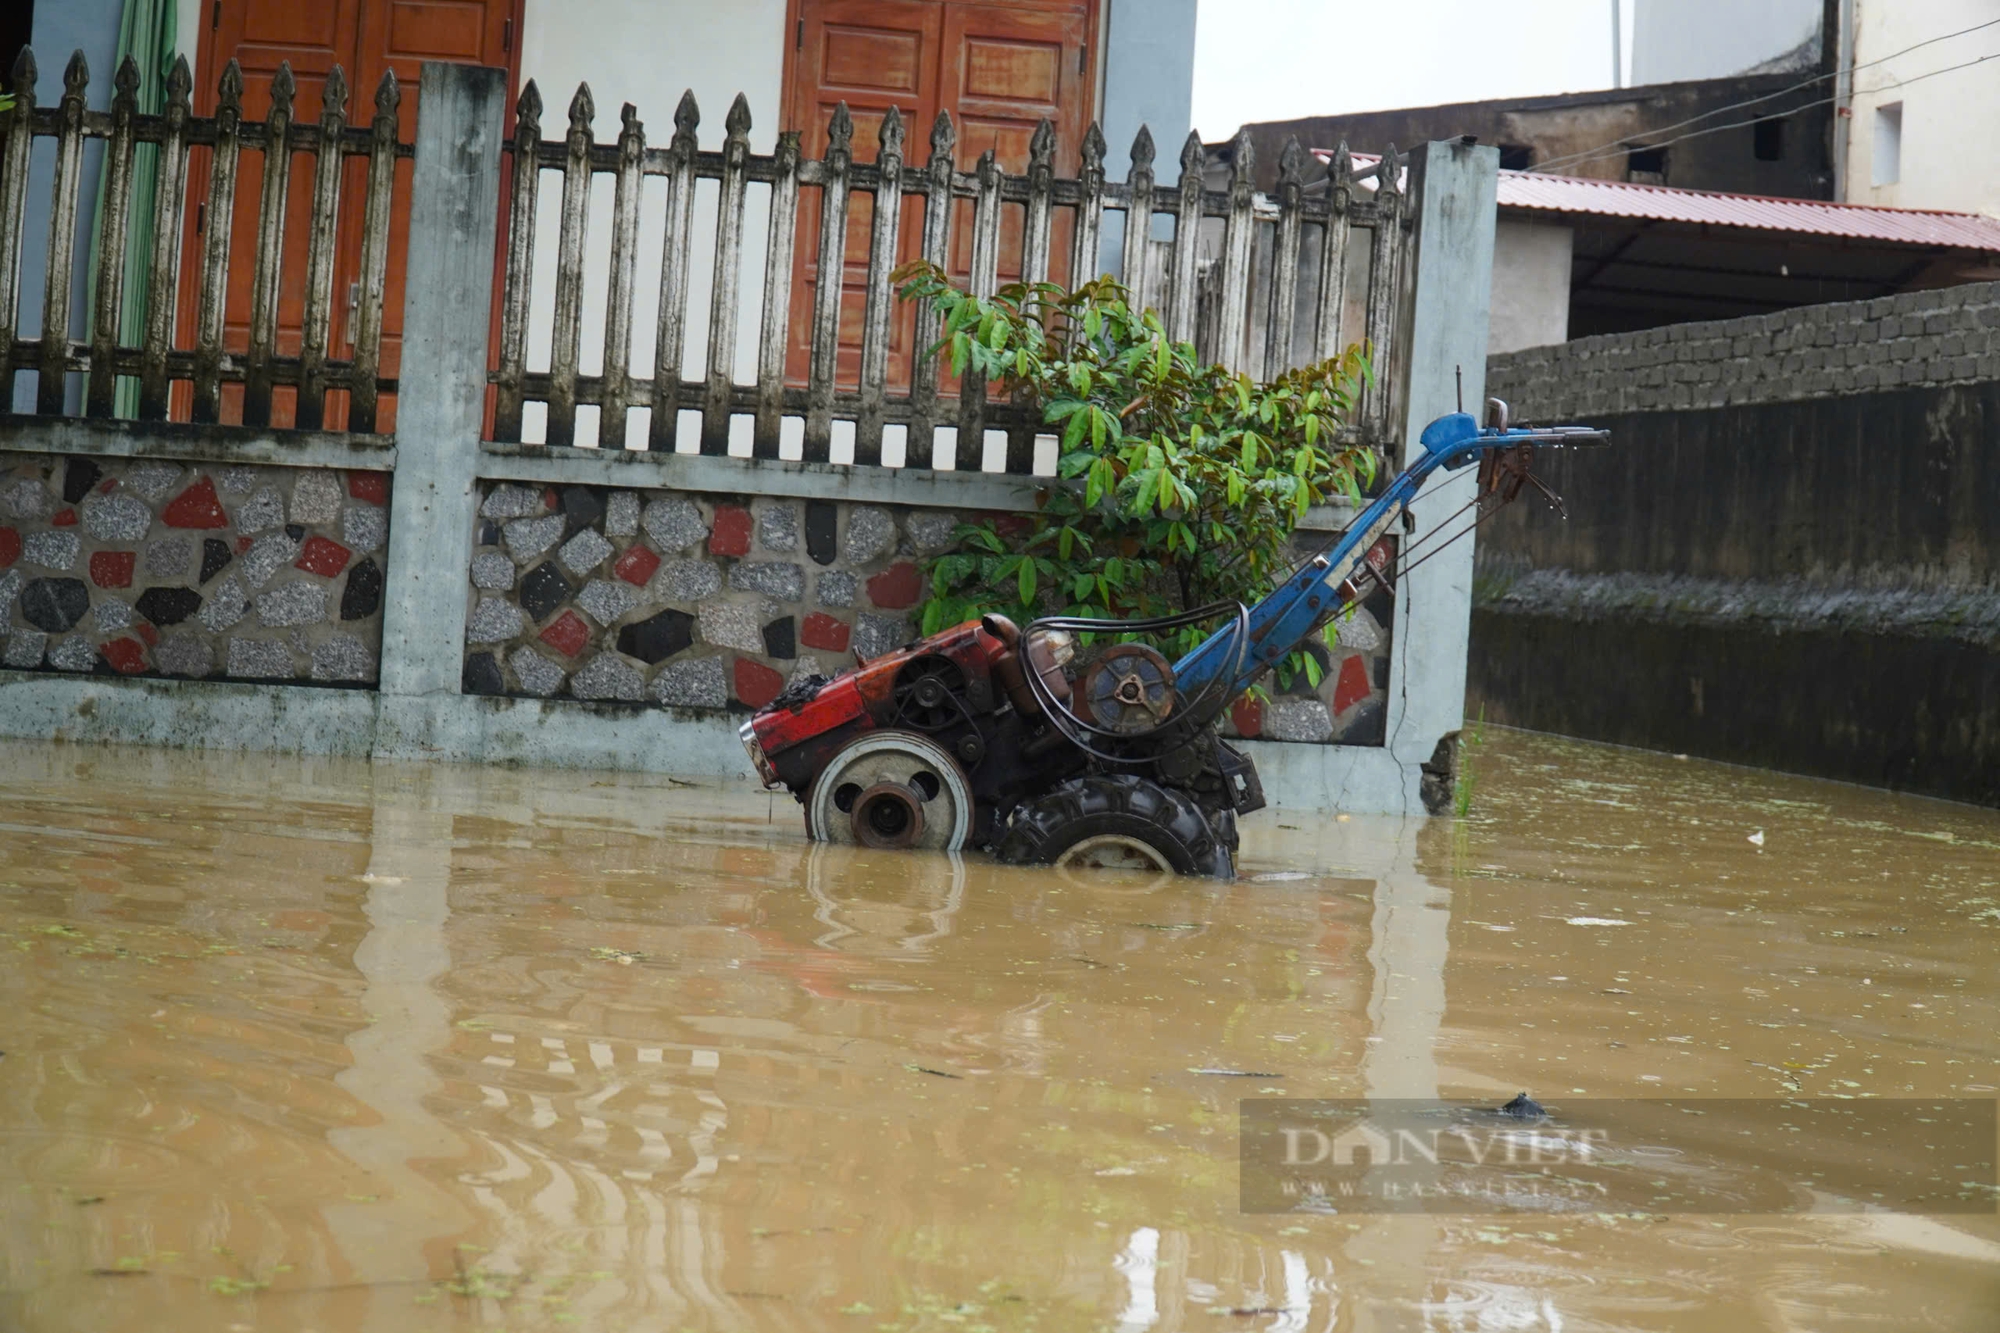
(1531, 262)
(1803, 578)
(1947, 336)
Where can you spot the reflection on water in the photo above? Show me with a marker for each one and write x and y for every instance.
(302, 1044)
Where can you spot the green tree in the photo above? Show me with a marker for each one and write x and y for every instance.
(1180, 483)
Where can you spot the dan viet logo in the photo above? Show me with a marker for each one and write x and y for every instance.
(1620, 1156)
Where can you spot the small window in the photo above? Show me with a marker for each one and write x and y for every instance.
(1516, 157)
(1888, 144)
(1646, 166)
(1767, 138)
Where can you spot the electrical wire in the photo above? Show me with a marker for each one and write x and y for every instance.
(1611, 149)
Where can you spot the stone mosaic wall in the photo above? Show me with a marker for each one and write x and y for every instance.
(148, 567)
(705, 601)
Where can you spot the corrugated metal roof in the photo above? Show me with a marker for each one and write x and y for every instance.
(1530, 191)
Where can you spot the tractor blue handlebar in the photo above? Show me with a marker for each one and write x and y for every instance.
(1282, 621)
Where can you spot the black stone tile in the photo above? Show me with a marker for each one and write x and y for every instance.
(296, 531)
(781, 639)
(1379, 672)
(364, 591)
(657, 639)
(1302, 686)
(483, 676)
(489, 533)
(215, 557)
(1380, 604)
(822, 531)
(54, 605)
(168, 606)
(581, 507)
(80, 476)
(544, 590)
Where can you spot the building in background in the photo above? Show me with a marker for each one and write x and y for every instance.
(1920, 122)
(1676, 41)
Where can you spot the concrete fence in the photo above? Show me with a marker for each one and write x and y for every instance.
(437, 593)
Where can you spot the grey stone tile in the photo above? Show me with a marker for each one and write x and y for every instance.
(686, 581)
(537, 674)
(236, 480)
(697, 683)
(343, 657)
(778, 526)
(24, 649)
(528, 538)
(315, 498)
(10, 588)
(111, 615)
(51, 548)
(1359, 631)
(1297, 720)
(364, 528)
(674, 524)
(259, 658)
(585, 551)
(300, 603)
(605, 600)
(490, 569)
(875, 635)
(837, 588)
(72, 652)
(786, 582)
(871, 534)
(27, 498)
(505, 501)
(930, 530)
(155, 480)
(117, 517)
(269, 554)
(225, 605)
(733, 625)
(169, 557)
(621, 514)
(495, 620)
(608, 676)
(184, 655)
(261, 512)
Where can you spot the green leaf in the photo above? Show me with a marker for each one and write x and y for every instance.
(1027, 582)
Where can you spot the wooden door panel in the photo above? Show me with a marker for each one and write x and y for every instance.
(364, 37)
(998, 69)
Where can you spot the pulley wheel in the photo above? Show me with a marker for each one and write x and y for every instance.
(891, 789)
(1129, 689)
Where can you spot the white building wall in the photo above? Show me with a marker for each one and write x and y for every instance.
(1950, 122)
(647, 52)
(1531, 262)
(1677, 40)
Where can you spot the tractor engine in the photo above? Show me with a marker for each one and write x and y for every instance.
(970, 738)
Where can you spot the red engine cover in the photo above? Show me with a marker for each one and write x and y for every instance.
(864, 694)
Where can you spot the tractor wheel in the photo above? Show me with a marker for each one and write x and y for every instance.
(1117, 821)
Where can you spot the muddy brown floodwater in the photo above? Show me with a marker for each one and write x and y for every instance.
(316, 1045)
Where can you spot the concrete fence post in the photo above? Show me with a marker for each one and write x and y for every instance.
(447, 303)
(1452, 187)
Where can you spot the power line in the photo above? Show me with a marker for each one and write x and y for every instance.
(1612, 150)
(1589, 153)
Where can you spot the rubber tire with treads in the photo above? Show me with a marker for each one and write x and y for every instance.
(1117, 804)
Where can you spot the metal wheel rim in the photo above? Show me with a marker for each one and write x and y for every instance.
(893, 756)
(1114, 851)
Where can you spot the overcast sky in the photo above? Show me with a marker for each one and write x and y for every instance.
(1279, 59)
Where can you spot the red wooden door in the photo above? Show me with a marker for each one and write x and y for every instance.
(997, 68)
(364, 37)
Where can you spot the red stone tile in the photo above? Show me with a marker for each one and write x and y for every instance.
(63, 518)
(112, 569)
(1013, 525)
(567, 634)
(896, 587)
(1248, 715)
(1353, 685)
(371, 487)
(196, 507)
(127, 656)
(323, 557)
(550, 499)
(636, 565)
(148, 633)
(730, 534)
(756, 684)
(243, 545)
(821, 630)
(109, 485)
(10, 546)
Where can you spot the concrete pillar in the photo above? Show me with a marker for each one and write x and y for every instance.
(1452, 188)
(447, 302)
(1148, 80)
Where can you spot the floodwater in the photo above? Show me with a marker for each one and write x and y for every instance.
(315, 1045)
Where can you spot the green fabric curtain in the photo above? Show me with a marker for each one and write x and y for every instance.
(146, 33)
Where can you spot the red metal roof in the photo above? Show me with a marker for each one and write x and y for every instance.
(1530, 191)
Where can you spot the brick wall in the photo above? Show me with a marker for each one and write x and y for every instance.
(145, 567)
(1947, 336)
(718, 601)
